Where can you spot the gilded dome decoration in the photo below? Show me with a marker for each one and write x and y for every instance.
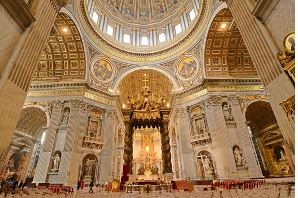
(144, 31)
(148, 84)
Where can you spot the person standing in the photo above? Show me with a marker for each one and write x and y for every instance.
(91, 186)
(78, 185)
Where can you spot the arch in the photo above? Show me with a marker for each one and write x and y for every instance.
(225, 53)
(260, 114)
(216, 11)
(63, 55)
(172, 79)
(153, 84)
(271, 149)
(31, 121)
(89, 168)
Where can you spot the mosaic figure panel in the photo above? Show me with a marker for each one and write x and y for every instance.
(103, 70)
(187, 68)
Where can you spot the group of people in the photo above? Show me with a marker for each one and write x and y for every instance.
(80, 185)
(244, 185)
(10, 186)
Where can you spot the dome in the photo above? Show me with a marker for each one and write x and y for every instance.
(145, 30)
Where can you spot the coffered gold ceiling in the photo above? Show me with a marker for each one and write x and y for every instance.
(62, 57)
(225, 53)
(31, 121)
(140, 81)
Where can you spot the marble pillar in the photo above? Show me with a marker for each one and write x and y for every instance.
(245, 140)
(109, 146)
(17, 73)
(184, 131)
(221, 143)
(263, 50)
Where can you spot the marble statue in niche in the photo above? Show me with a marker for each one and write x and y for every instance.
(56, 162)
(227, 111)
(239, 160)
(205, 165)
(65, 116)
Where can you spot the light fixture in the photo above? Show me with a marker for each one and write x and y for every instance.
(124, 106)
(147, 148)
(168, 105)
(223, 25)
(64, 29)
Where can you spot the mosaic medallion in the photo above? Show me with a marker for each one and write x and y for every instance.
(103, 69)
(187, 67)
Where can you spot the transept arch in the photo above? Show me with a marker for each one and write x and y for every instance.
(129, 71)
(272, 150)
(63, 56)
(225, 53)
(31, 121)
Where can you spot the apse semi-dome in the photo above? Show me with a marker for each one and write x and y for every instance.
(144, 30)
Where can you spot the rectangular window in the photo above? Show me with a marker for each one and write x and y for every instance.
(144, 40)
(162, 37)
(192, 15)
(95, 17)
(126, 38)
(110, 30)
(178, 28)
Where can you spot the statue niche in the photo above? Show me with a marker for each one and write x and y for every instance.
(56, 160)
(89, 165)
(239, 160)
(227, 111)
(205, 165)
(198, 121)
(65, 117)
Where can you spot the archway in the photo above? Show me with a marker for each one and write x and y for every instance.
(226, 54)
(272, 151)
(146, 96)
(63, 56)
(25, 144)
(89, 168)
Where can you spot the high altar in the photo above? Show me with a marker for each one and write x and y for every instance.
(147, 162)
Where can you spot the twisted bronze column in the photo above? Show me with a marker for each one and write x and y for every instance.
(166, 149)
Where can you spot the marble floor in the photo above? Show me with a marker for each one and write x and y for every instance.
(265, 192)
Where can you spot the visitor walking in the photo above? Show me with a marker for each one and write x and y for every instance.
(91, 186)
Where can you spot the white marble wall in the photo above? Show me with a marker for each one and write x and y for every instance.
(224, 135)
(186, 151)
(109, 147)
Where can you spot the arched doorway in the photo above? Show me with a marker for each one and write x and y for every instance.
(25, 145)
(205, 165)
(272, 151)
(89, 168)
